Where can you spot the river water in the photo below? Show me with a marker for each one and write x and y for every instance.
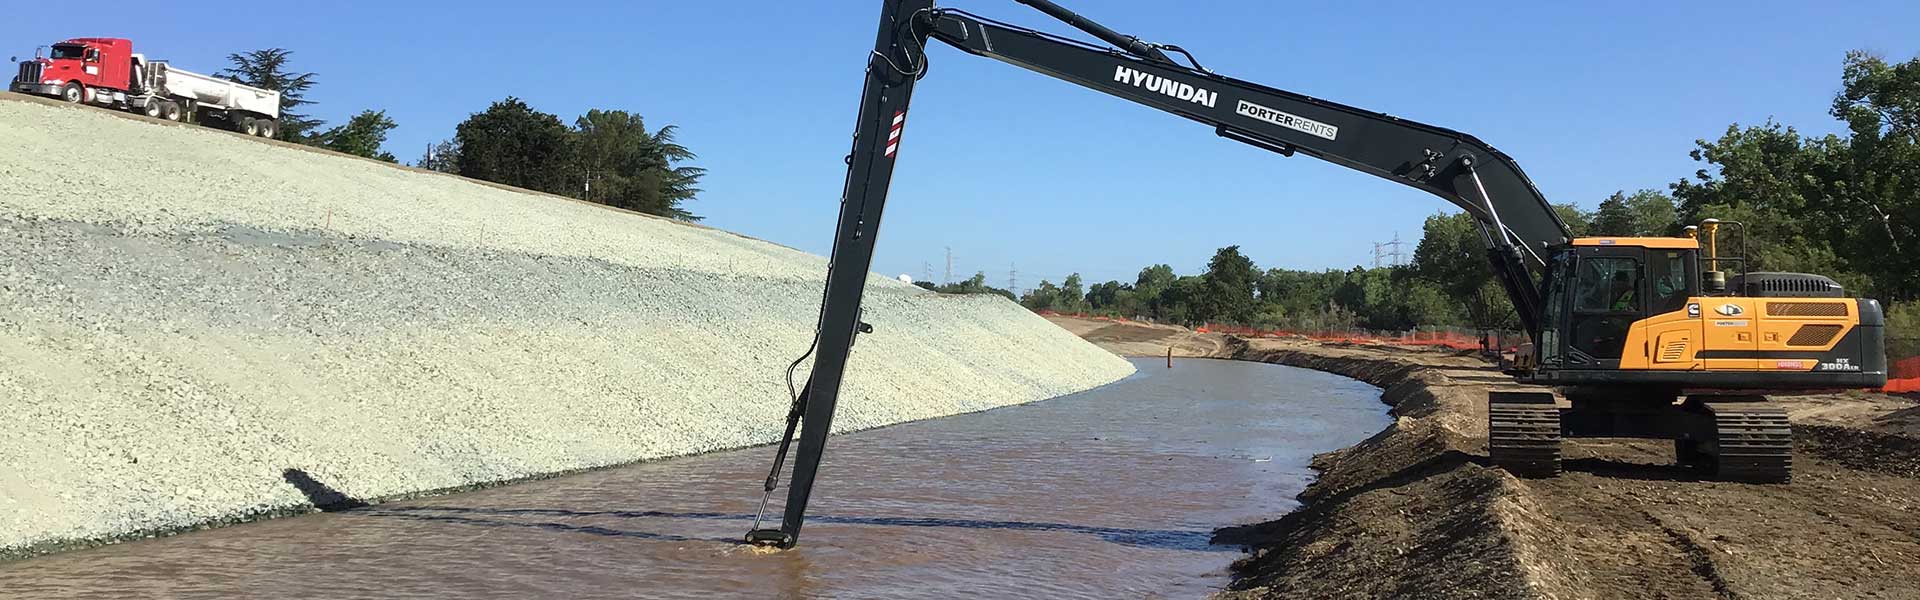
(1113, 492)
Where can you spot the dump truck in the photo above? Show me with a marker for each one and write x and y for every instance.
(107, 72)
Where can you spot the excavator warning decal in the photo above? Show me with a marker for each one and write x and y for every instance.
(893, 137)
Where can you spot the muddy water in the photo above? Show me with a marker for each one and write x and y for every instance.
(1112, 492)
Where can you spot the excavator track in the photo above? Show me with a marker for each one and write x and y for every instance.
(1523, 433)
(1752, 442)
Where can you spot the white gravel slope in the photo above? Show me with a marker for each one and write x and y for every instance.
(190, 321)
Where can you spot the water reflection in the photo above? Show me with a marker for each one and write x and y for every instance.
(1111, 492)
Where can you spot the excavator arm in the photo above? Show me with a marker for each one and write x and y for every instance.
(1517, 223)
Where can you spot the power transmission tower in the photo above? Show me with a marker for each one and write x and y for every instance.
(1013, 278)
(949, 279)
(1392, 258)
(926, 272)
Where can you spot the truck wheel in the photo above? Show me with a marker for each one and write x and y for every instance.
(73, 93)
(247, 126)
(267, 127)
(154, 108)
(170, 111)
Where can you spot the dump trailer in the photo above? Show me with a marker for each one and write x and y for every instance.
(1649, 337)
(107, 72)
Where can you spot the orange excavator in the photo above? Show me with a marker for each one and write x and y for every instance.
(1647, 337)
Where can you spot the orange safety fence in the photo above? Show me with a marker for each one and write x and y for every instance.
(1903, 372)
(1905, 377)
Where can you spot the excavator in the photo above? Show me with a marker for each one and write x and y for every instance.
(1645, 337)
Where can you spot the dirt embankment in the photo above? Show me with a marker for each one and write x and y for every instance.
(1415, 511)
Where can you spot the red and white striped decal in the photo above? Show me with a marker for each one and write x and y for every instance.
(893, 137)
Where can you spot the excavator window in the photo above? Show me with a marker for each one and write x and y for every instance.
(1607, 300)
(1607, 284)
(1556, 300)
(1671, 286)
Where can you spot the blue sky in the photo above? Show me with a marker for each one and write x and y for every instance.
(1010, 168)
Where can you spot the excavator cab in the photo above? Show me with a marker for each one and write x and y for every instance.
(1599, 288)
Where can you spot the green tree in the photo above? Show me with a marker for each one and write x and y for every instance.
(1399, 301)
(1105, 296)
(443, 157)
(1644, 213)
(622, 164)
(973, 285)
(1154, 279)
(513, 144)
(268, 69)
(1126, 302)
(361, 136)
(1177, 302)
(1150, 285)
(1073, 297)
(1452, 256)
(1576, 220)
(1298, 293)
(1045, 296)
(1653, 214)
(1780, 186)
(1878, 196)
(1228, 293)
(1613, 217)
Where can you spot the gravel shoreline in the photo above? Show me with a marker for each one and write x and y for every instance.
(194, 316)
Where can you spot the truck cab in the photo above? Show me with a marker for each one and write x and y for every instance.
(79, 69)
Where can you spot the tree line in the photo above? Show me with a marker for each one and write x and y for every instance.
(1842, 205)
(608, 156)
(973, 285)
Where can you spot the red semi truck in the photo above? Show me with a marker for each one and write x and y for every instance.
(107, 72)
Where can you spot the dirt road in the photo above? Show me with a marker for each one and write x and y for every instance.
(1415, 511)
